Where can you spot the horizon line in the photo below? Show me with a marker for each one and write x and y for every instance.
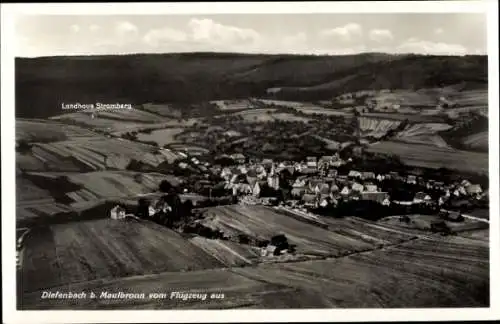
(247, 54)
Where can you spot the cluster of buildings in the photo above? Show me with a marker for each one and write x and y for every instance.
(316, 182)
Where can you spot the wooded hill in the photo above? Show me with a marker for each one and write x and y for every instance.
(42, 84)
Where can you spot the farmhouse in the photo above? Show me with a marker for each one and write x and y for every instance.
(311, 161)
(354, 174)
(357, 187)
(117, 212)
(379, 197)
(273, 182)
(474, 189)
(411, 179)
(308, 170)
(298, 191)
(332, 173)
(371, 188)
(345, 191)
(238, 158)
(309, 200)
(367, 175)
(256, 189)
(422, 197)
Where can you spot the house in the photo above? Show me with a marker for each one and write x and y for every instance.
(299, 182)
(354, 174)
(357, 187)
(371, 188)
(252, 181)
(345, 191)
(244, 188)
(324, 201)
(311, 162)
(334, 188)
(465, 183)
(338, 163)
(378, 197)
(183, 165)
(298, 191)
(323, 189)
(422, 197)
(411, 179)
(367, 175)
(332, 173)
(117, 212)
(310, 200)
(226, 173)
(308, 170)
(454, 217)
(256, 189)
(273, 182)
(313, 184)
(267, 162)
(380, 177)
(474, 189)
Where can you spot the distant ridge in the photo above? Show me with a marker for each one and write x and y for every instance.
(42, 84)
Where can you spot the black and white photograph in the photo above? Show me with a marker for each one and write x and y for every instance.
(173, 158)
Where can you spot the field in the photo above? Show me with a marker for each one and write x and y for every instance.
(104, 249)
(190, 148)
(406, 98)
(423, 223)
(121, 121)
(109, 184)
(470, 98)
(267, 115)
(434, 157)
(282, 103)
(161, 136)
(455, 275)
(376, 127)
(420, 275)
(477, 141)
(413, 118)
(39, 130)
(425, 133)
(228, 105)
(162, 110)
(263, 223)
(322, 111)
(87, 154)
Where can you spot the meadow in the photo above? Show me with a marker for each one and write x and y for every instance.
(65, 254)
(88, 154)
(161, 136)
(420, 155)
(430, 272)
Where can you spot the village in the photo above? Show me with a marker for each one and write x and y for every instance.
(315, 187)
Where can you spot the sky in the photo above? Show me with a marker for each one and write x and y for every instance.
(331, 34)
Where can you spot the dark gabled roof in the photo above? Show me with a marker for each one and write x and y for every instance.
(420, 195)
(308, 198)
(251, 173)
(374, 196)
(237, 156)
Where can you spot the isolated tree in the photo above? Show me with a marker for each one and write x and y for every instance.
(143, 208)
(165, 186)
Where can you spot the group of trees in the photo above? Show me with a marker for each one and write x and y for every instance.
(372, 210)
